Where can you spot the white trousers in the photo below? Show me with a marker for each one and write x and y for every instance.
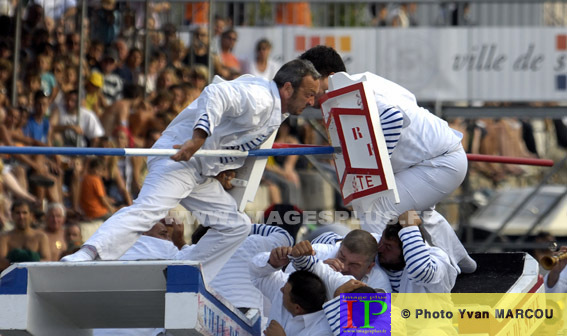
(421, 187)
(168, 184)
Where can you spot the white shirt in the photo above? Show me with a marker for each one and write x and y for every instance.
(270, 281)
(238, 114)
(89, 123)
(424, 136)
(272, 67)
(560, 286)
(437, 276)
(233, 281)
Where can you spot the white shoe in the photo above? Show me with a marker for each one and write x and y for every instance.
(467, 265)
(80, 255)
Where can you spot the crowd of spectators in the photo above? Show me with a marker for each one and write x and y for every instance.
(126, 103)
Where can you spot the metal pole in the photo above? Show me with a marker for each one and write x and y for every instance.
(81, 88)
(17, 43)
(146, 47)
(211, 40)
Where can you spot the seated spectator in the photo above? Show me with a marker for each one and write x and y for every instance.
(93, 199)
(262, 65)
(55, 230)
(113, 180)
(23, 243)
(118, 114)
(112, 83)
(73, 238)
(76, 132)
(230, 64)
(94, 98)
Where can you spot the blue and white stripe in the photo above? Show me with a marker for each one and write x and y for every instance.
(395, 279)
(244, 147)
(332, 309)
(329, 238)
(392, 122)
(266, 230)
(204, 124)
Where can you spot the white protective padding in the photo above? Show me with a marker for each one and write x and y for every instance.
(352, 120)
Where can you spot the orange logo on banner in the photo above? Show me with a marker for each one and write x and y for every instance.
(341, 43)
(561, 42)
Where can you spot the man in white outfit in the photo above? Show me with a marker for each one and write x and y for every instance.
(297, 298)
(355, 255)
(239, 114)
(427, 157)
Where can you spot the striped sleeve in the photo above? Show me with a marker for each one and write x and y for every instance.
(333, 314)
(306, 263)
(327, 238)
(204, 124)
(267, 230)
(392, 121)
(419, 264)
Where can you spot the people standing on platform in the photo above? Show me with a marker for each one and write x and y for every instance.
(427, 157)
(239, 114)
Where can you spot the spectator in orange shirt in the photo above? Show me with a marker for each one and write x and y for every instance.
(230, 64)
(93, 200)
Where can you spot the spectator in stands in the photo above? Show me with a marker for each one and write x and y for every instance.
(113, 180)
(23, 243)
(199, 77)
(94, 98)
(118, 114)
(198, 53)
(37, 126)
(112, 83)
(230, 64)
(73, 238)
(403, 15)
(94, 201)
(121, 47)
(55, 230)
(379, 12)
(106, 22)
(74, 130)
(262, 65)
(131, 70)
(282, 171)
(95, 51)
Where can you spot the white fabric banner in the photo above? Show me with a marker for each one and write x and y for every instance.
(448, 64)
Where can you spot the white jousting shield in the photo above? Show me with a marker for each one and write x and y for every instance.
(353, 123)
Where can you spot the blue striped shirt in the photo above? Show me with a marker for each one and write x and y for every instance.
(392, 122)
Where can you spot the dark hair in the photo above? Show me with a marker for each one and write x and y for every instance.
(228, 32)
(294, 72)
(277, 215)
(262, 42)
(19, 203)
(325, 59)
(132, 91)
(391, 232)
(95, 163)
(307, 290)
(363, 289)
(361, 242)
